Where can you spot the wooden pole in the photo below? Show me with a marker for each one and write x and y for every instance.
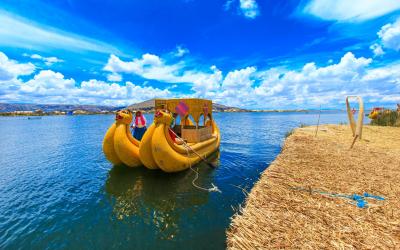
(319, 116)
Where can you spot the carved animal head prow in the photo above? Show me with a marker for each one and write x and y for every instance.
(162, 117)
(124, 116)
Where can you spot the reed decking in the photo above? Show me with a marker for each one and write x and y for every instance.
(287, 208)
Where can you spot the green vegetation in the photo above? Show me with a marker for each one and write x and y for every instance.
(289, 133)
(387, 118)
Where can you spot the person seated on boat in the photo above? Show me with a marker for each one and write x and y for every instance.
(139, 125)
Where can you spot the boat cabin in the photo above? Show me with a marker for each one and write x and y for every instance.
(193, 117)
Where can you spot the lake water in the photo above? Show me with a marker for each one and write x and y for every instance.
(58, 191)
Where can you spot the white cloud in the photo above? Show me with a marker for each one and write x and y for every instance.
(328, 85)
(17, 32)
(114, 77)
(47, 60)
(350, 10)
(204, 82)
(228, 5)
(249, 8)
(148, 66)
(307, 87)
(47, 83)
(48, 86)
(113, 94)
(390, 35)
(10, 69)
(181, 51)
(239, 79)
(272, 88)
(377, 49)
(154, 68)
(310, 86)
(52, 87)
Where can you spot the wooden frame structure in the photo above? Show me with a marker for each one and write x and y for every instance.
(194, 107)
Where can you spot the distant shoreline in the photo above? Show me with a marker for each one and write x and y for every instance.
(15, 114)
(82, 112)
(30, 109)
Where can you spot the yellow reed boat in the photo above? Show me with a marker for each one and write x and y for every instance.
(167, 144)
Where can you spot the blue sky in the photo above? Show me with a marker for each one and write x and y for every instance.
(246, 53)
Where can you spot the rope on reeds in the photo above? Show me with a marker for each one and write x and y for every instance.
(212, 189)
(358, 200)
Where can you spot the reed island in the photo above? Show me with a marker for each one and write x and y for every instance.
(320, 194)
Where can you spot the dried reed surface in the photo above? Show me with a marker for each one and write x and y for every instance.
(279, 215)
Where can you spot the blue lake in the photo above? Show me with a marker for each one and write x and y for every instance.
(58, 191)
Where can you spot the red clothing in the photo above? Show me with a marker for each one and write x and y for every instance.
(140, 121)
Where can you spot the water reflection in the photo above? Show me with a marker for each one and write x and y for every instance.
(155, 198)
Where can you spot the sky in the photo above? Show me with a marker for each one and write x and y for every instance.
(294, 54)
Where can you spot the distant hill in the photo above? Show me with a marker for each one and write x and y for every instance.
(149, 106)
(144, 106)
(11, 107)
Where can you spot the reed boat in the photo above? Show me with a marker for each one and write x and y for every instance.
(375, 113)
(182, 134)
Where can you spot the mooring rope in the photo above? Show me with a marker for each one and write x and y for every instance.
(356, 199)
(213, 188)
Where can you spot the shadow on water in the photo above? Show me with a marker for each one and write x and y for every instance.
(158, 199)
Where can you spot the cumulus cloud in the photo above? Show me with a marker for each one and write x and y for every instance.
(310, 86)
(47, 60)
(148, 66)
(114, 77)
(390, 35)
(306, 87)
(48, 86)
(377, 49)
(152, 67)
(249, 8)
(273, 88)
(350, 11)
(239, 78)
(204, 83)
(328, 85)
(11, 69)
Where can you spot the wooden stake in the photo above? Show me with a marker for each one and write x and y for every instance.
(319, 116)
